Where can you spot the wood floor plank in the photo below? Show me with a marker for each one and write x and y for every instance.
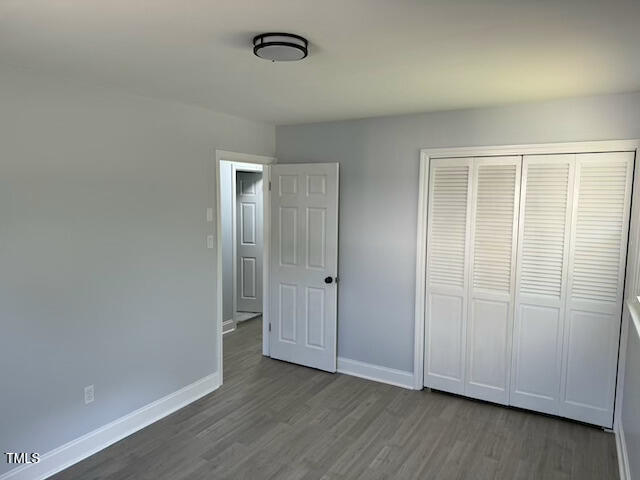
(275, 420)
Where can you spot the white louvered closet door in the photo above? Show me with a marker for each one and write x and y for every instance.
(543, 241)
(599, 229)
(447, 273)
(494, 227)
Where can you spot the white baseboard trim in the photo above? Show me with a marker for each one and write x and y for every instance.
(82, 447)
(399, 378)
(227, 327)
(623, 456)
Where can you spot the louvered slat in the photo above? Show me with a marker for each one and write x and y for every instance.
(448, 225)
(544, 225)
(599, 232)
(493, 234)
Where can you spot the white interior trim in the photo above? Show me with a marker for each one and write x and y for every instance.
(623, 455)
(266, 176)
(228, 326)
(82, 447)
(243, 157)
(421, 270)
(266, 258)
(632, 288)
(377, 373)
(634, 310)
(485, 151)
(534, 149)
(630, 326)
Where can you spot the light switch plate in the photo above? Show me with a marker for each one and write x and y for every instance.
(88, 394)
(209, 215)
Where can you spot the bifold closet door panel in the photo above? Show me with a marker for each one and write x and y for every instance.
(494, 227)
(541, 276)
(447, 276)
(599, 229)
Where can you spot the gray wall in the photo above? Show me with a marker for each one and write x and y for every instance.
(226, 219)
(105, 278)
(631, 401)
(379, 161)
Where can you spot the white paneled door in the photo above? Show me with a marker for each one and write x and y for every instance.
(599, 229)
(541, 281)
(571, 261)
(249, 241)
(304, 264)
(492, 261)
(471, 248)
(447, 273)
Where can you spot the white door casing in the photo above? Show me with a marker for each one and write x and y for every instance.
(304, 263)
(599, 229)
(448, 227)
(492, 268)
(249, 241)
(541, 281)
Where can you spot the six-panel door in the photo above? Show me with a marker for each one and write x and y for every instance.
(249, 241)
(304, 264)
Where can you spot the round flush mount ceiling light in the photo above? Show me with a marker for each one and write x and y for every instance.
(280, 47)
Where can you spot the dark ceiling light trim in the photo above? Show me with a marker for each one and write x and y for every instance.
(280, 47)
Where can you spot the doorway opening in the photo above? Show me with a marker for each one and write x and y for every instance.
(241, 204)
(289, 282)
(242, 222)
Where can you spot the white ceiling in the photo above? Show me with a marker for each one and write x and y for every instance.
(367, 57)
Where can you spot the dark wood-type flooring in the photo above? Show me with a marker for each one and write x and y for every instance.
(275, 420)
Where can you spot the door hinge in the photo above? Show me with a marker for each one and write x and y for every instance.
(269, 185)
(269, 326)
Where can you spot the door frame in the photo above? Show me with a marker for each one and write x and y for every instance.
(266, 205)
(427, 154)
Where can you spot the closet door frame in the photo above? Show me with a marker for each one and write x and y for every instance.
(427, 154)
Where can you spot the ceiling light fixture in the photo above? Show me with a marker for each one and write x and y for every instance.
(280, 47)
